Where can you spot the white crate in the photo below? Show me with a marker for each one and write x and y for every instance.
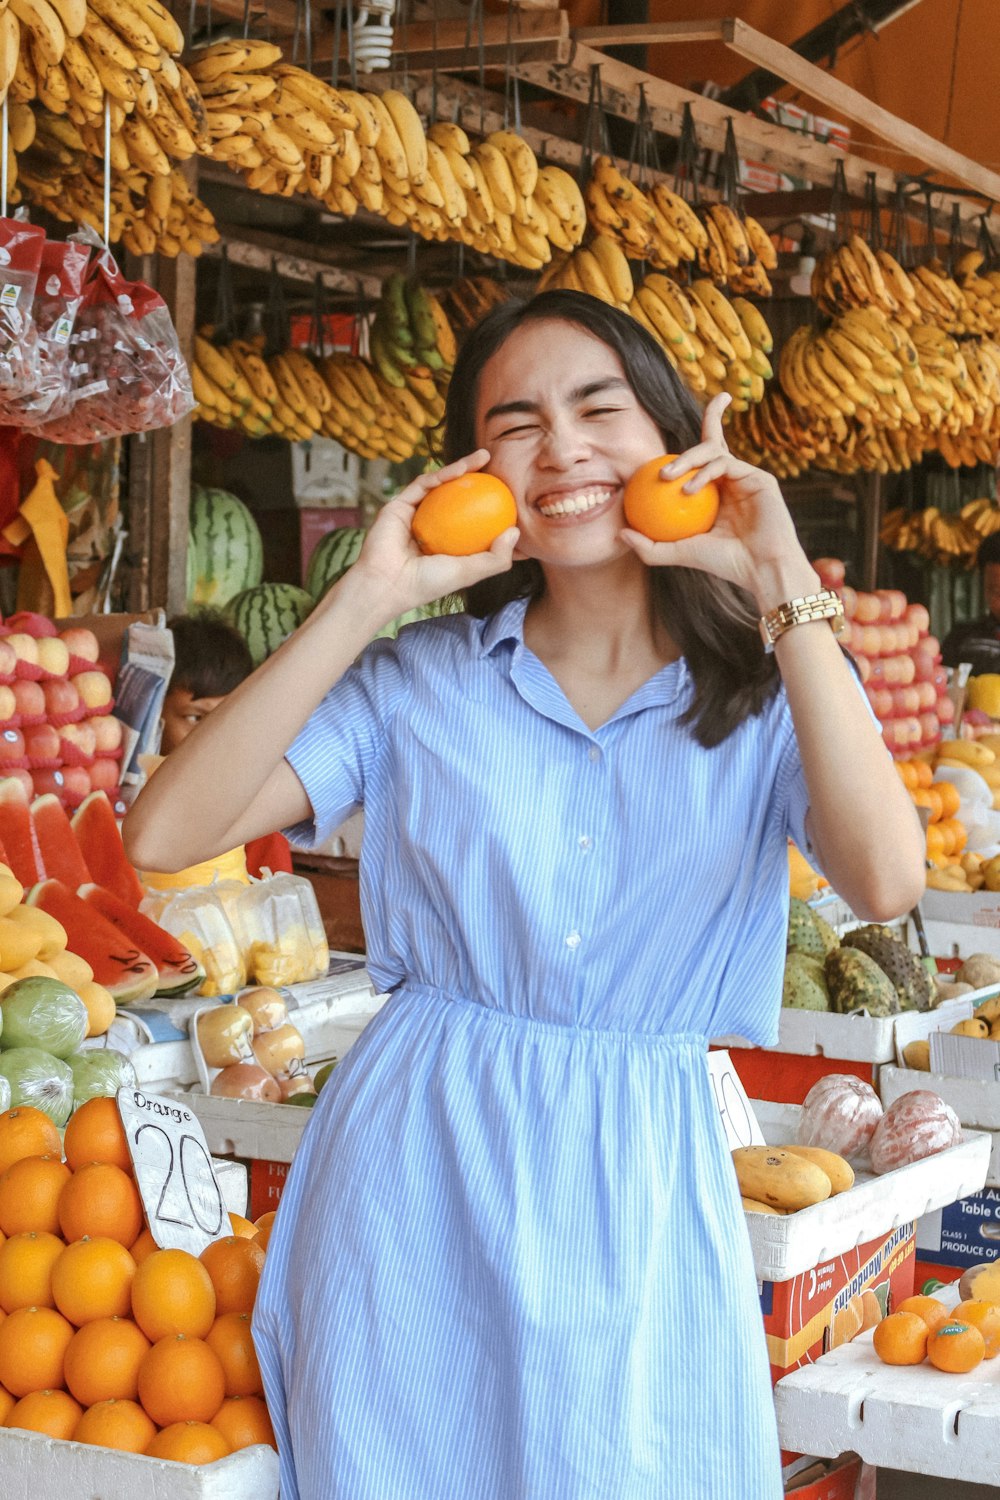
(232, 1179)
(786, 1245)
(32, 1464)
(814, 1033)
(914, 1418)
(246, 1128)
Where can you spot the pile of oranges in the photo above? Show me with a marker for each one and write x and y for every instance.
(923, 1328)
(103, 1337)
(946, 833)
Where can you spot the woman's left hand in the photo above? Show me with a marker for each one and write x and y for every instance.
(753, 538)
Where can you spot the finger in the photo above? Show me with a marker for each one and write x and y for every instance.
(716, 468)
(499, 558)
(690, 553)
(711, 422)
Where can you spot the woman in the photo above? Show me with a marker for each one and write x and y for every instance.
(511, 1261)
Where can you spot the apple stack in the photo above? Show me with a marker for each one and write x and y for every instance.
(57, 732)
(899, 662)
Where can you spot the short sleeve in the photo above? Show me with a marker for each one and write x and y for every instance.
(336, 751)
(791, 789)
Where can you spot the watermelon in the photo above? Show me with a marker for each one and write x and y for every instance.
(123, 969)
(17, 834)
(450, 605)
(266, 615)
(332, 557)
(62, 857)
(178, 971)
(225, 550)
(100, 840)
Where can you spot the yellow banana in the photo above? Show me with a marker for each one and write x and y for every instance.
(615, 267)
(520, 158)
(497, 173)
(42, 22)
(411, 134)
(754, 325)
(388, 145)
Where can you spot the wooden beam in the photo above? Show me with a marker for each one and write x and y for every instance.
(817, 84)
(255, 248)
(542, 35)
(648, 33)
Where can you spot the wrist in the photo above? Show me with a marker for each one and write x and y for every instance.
(782, 579)
(367, 599)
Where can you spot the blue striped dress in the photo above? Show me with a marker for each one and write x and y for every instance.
(510, 1262)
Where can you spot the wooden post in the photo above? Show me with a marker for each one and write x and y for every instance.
(159, 488)
(871, 498)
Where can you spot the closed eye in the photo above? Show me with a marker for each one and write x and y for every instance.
(602, 411)
(515, 431)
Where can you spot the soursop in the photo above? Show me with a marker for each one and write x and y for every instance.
(826, 932)
(805, 986)
(804, 935)
(912, 983)
(857, 983)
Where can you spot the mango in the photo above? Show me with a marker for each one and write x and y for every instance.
(779, 1178)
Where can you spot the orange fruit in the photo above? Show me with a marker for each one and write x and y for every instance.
(266, 1220)
(871, 1309)
(26, 1132)
(245, 1227)
(928, 1308)
(908, 773)
(26, 1262)
(33, 1344)
(144, 1246)
(173, 1293)
(262, 1237)
(847, 1323)
(234, 1264)
(955, 1347)
(51, 1412)
(232, 1341)
(950, 800)
(243, 1420)
(901, 1339)
(986, 1317)
(116, 1424)
(7, 1404)
(29, 1194)
(935, 804)
(925, 773)
(93, 1279)
(102, 1201)
(189, 1443)
(462, 516)
(102, 1360)
(660, 509)
(95, 1133)
(181, 1380)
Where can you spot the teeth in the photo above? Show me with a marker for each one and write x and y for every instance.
(575, 504)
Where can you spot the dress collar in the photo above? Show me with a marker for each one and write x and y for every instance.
(506, 625)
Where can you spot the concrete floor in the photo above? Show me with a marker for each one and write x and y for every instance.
(895, 1486)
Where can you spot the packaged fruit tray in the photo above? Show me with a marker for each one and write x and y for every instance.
(31, 1464)
(914, 1417)
(786, 1245)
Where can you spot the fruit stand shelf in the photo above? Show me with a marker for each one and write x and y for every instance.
(786, 1245)
(914, 1418)
(812, 1033)
(32, 1464)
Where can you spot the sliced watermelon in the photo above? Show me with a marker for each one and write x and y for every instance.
(17, 834)
(61, 854)
(118, 964)
(100, 840)
(179, 972)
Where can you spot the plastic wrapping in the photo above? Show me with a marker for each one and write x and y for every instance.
(915, 1125)
(40, 1012)
(40, 1080)
(840, 1114)
(198, 919)
(283, 931)
(99, 1073)
(4, 1095)
(58, 298)
(20, 259)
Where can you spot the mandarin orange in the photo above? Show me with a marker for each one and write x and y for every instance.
(234, 1264)
(181, 1380)
(189, 1443)
(52, 1412)
(33, 1344)
(901, 1339)
(95, 1133)
(102, 1360)
(30, 1190)
(26, 1262)
(955, 1347)
(26, 1132)
(243, 1421)
(172, 1292)
(93, 1279)
(463, 516)
(120, 1424)
(232, 1341)
(661, 509)
(102, 1201)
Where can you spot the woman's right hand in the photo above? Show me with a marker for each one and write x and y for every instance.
(392, 561)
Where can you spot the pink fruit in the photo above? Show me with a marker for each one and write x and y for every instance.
(81, 735)
(892, 670)
(24, 646)
(8, 704)
(864, 668)
(893, 603)
(104, 774)
(913, 730)
(867, 609)
(41, 742)
(11, 746)
(30, 699)
(81, 642)
(939, 677)
(930, 728)
(8, 659)
(30, 623)
(108, 732)
(905, 700)
(23, 779)
(94, 688)
(926, 696)
(917, 614)
(871, 640)
(916, 1125)
(53, 655)
(61, 698)
(840, 1113)
(906, 669)
(881, 701)
(931, 644)
(945, 709)
(849, 599)
(924, 664)
(831, 571)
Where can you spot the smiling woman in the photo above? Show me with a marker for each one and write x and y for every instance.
(532, 1196)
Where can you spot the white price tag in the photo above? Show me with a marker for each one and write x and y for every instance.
(173, 1171)
(735, 1111)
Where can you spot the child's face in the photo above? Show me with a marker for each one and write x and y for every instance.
(181, 714)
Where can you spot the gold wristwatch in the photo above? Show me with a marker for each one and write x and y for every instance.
(824, 605)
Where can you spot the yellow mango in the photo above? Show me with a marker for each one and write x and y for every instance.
(11, 891)
(774, 1175)
(51, 934)
(18, 943)
(71, 969)
(100, 1004)
(972, 1027)
(35, 969)
(839, 1171)
(918, 1055)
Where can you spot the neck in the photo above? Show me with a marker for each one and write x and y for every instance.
(606, 611)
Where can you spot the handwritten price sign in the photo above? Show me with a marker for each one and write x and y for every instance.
(173, 1171)
(735, 1111)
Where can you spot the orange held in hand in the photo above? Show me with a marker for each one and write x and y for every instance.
(660, 508)
(464, 516)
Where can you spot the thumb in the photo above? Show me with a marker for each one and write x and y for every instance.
(500, 556)
(690, 553)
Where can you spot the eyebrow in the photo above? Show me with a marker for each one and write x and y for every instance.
(581, 393)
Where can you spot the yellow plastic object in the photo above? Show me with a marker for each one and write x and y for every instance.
(229, 866)
(804, 881)
(984, 693)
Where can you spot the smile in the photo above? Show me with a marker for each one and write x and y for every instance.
(576, 505)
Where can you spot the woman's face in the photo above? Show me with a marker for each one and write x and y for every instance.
(566, 432)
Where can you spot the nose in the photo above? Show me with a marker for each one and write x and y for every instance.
(565, 443)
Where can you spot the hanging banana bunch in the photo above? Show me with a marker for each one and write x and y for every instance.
(980, 294)
(946, 540)
(714, 344)
(467, 300)
(773, 435)
(737, 252)
(410, 332)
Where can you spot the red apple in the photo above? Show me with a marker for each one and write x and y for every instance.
(8, 703)
(81, 643)
(53, 655)
(923, 663)
(905, 701)
(849, 599)
(891, 668)
(945, 709)
(94, 688)
(61, 697)
(867, 609)
(917, 615)
(881, 702)
(907, 669)
(41, 742)
(81, 736)
(30, 699)
(23, 779)
(70, 784)
(930, 728)
(104, 774)
(913, 729)
(8, 659)
(831, 571)
(926, 696)
(11, 745)
(30, 623)
(24, 646)
(864, 668)
(107, 732)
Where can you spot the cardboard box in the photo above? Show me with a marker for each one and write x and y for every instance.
(962, 1234)
(817, 1310)
(845, 1478)
(787, 1077)
(267, 1183)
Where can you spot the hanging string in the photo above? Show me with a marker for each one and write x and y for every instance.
(246, 18)
(508, 71)
(107, 168)
(476, 17)
(951, 81)
(4, 138)
(434, 66)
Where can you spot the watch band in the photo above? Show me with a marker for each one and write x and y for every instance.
(824, 605)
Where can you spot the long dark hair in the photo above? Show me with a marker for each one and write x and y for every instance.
(713, 622)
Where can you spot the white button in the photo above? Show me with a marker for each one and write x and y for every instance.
(573, 941)
(586, 842)
(594, 752)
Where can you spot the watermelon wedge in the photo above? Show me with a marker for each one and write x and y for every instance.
(179, 972)
(61, 854)
(17, 834)
(100, 840)
(117, 963)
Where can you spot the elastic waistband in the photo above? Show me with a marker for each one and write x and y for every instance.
(675, 1041)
